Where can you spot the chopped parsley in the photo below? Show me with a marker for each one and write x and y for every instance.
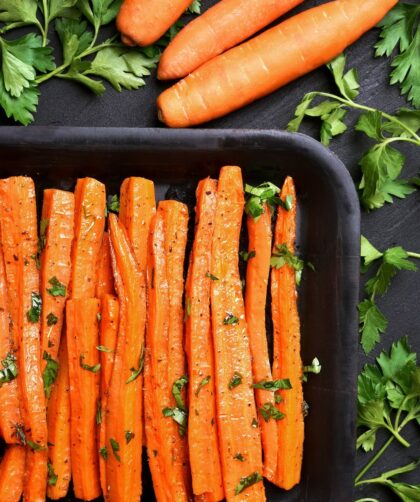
(10, 369)
(52, 476)
(113, 204)
(230, 319)
(268, 410)
(235, 380)
(239, 457)
(34, 312)
(87, 367)
(115, 448)
(135, 372)
(49, 374)
(203, 382)
(247, 255)
(51, 319)
(57, 289)
(247, 481)
(273, 385)
(129, 436)
(211, 276)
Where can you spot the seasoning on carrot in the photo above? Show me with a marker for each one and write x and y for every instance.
(12, 470)
(89, 222)
(82, 340)
(202, 430)
(124, 410)
(58, 415)
(10, 413)
(219, 28)
(142, 22)
(19, 240)
(166, 416)
(105, 280)
(55, 247)
(286, 361)
(239, 436)
(257, 273)
(108, 340)
(269, 61)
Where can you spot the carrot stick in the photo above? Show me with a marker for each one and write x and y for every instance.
(221, 27)
(12, 469)
(257, 272)
(142, 22)
(269, 61)
(55, 243)
(58, 415)
(10, 413)
(287, 362)
(166, 442)
(124, 413)
(105, 281)
(108, 340)
(19, 240)
(239, 437)
(202, 430)
(82, 340)
(89, 222)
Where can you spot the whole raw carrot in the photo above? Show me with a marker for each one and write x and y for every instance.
(224, 25)
(239, 436)
(105, 280)
(10, 413)
(257, 273)
(124, 410)
(58, 415)
(142, 22)
(84, 366)
(12, 469)
(108, 339)
(269, 61)
(55, 245)
(286, 360)
(20, 240)
(202, 430)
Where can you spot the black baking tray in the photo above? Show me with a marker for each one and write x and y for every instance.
(329, 237)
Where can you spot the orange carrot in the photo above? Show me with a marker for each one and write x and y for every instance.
(58, 415)
(202, 430)
(239, 437)
(82, 340)
(108, 340)
(257, 272)
(287, 362)
(55, 243)
(19, 240)
(269, 61)
(221, 27)
(142, 22)
(166, 442)
(9, 390)
(124, 413)
(12, 469)
(89, 222)
(105, 280)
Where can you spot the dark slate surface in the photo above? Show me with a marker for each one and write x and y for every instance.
(64, 103)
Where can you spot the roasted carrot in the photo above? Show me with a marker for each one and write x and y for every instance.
(55, 242)
(286, 360)
(202, 430)
(124, 413)
(58, 415)
(239, 435)
(269, 61)
(18, 220)
(142, 22)
(89, 222)
(10, 413)
(12, 469)
(219, 28)
(257, 273)
(105, 280)
(166, 441)
(84, 366)
(108, 340)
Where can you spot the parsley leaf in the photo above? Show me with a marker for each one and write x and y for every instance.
(115, 448)
(10, 369)
(135, 372)
(239, 456)
(57, 289)
(268, 410)
(102, 348)
(103, 452)
(273, 385)
(235, 380)
(87, 367)
(34, 312)
(283, 256)
(247, 481)
(266, 193)
(247, 255)
(52, 476)
(347, 83)
(179, 413)
(372, 324)
(203, 382)
(49, 376)
(230, 319)
(51, 319)
(177, 387)
(20, 13)
(195, 7)
(128, 436)
(211, 276)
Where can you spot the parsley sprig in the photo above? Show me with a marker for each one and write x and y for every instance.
(371, 319)
(382, 164)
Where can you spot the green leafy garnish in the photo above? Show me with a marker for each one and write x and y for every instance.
(34, 312)
(268, 410)
(382, 164)
(230, 319)
(102, 348)
(247, 255)
(239, 456)
(103, 452)
(49, 376)
(51, 319)
(135, 372)
(129, 436)
(52, 476)
(273, 385)
(247, 481)
(315, 368)
(179, 413)
(203, 382)
(42, 234)
(113, 204)
(57, 289)
(115, 448)
(10, 369)
(99, 412)
(211, 276)
(177, 387)
(235, 380)
(35, 446)
(266, 193)
(94, 369)
(283, 256)
(254, 423)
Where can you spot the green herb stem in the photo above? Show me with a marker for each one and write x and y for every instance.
(373, 460)
(44, 29)
(413, 255)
